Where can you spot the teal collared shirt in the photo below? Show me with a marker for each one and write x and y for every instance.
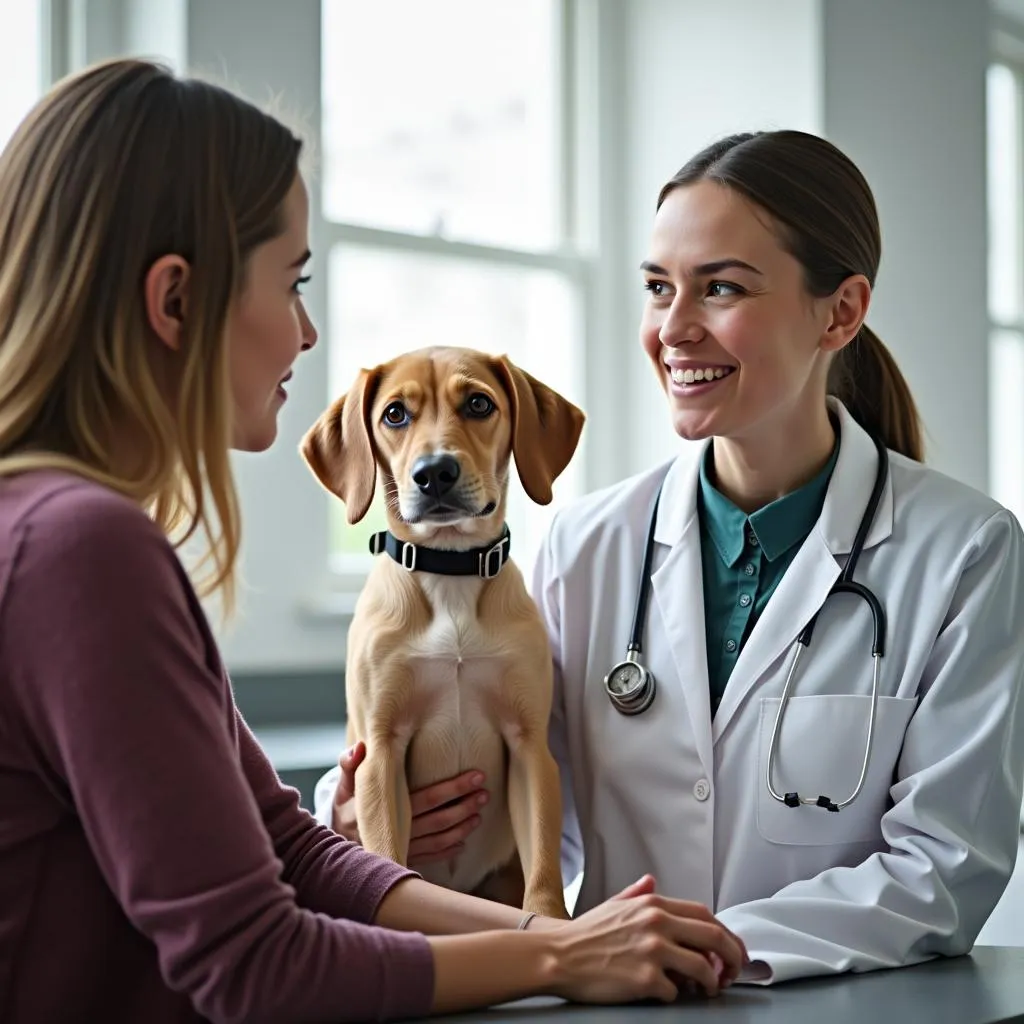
(744, 557)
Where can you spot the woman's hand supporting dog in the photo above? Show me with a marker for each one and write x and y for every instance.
(442, 814)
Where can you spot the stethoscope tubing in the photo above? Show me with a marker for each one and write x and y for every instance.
(635, 702)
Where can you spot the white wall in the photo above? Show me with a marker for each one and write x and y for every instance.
(693, 74)
(905, 97)
(158, 30)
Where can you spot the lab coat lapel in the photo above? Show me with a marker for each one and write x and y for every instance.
(678, 592)
(806, 584)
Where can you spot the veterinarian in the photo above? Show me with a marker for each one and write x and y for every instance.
(153, 234)
(847, 797)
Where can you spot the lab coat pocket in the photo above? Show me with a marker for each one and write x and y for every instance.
(820, 750)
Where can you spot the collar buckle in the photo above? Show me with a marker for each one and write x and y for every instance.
(408, 559)
(496, 551)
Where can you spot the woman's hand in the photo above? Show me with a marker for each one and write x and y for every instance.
(635, 946)
(644, 947)
(442, 814)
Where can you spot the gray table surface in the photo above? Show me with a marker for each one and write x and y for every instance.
(985, 987)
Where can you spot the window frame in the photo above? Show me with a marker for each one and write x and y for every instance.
(294, 609)
(52, 43)
(1007, 50)
(578, 34)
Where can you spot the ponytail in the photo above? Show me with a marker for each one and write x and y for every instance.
(865, 378)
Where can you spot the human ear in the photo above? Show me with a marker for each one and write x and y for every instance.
(166, 293)
(846, 308)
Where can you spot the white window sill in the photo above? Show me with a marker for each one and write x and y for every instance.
(329, 606)
(334, 600)
(301, 747)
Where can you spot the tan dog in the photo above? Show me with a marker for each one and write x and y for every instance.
(449, 666)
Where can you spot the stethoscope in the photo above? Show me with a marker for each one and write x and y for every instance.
(631, 686)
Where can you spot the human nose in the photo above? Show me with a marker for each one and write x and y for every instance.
(309, 331)
(681, 325)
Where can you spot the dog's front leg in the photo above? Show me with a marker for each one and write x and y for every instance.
(535, 803)
(377, 691)
(383, 810)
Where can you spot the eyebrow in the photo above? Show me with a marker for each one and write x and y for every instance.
(704, 269)
(304, 258)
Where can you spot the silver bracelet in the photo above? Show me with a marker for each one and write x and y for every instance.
(525, 923)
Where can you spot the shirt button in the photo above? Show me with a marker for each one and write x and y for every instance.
(752, 537)
(702, 789)
(749, 569)
(730, 645)
(744, 600)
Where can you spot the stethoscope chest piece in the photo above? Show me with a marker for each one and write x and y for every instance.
(630, 686)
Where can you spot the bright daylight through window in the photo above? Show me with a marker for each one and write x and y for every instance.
(1006, 286)
(21, 57)
(443, 197)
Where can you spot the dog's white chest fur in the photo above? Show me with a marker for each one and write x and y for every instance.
(462, 715)
(454, 632)
(454, 651)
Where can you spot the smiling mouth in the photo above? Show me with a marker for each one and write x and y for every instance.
(699, 376)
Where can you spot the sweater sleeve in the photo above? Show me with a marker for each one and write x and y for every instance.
(329, 874)
(121, 691)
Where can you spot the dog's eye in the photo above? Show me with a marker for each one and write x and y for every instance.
(479, 406)
(396, 415)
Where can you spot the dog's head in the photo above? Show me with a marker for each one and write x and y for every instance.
(440, 426)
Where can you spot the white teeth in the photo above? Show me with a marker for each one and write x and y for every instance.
(697, 376)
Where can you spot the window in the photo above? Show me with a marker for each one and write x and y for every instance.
(1005, 168)
(21, 57)
(444, 195)
(1006, 284)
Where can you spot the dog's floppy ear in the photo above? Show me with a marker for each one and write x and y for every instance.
(339, 450)
(545, 429)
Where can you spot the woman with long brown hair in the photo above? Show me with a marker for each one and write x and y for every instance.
(153, 235)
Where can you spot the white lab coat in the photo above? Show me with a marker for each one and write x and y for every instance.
(914, 866)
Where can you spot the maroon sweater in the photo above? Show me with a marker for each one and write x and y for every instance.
(152, 866)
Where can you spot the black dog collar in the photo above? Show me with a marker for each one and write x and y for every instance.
(485, 562)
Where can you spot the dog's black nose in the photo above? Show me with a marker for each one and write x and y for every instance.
(435, 475)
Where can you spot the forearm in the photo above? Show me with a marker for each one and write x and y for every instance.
(417, 906)
(496, 967)
(892, 910)
(497, 964)
(789, 939)
(329, 874)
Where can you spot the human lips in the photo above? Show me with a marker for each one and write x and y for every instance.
(692, 378)
(696, 373)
